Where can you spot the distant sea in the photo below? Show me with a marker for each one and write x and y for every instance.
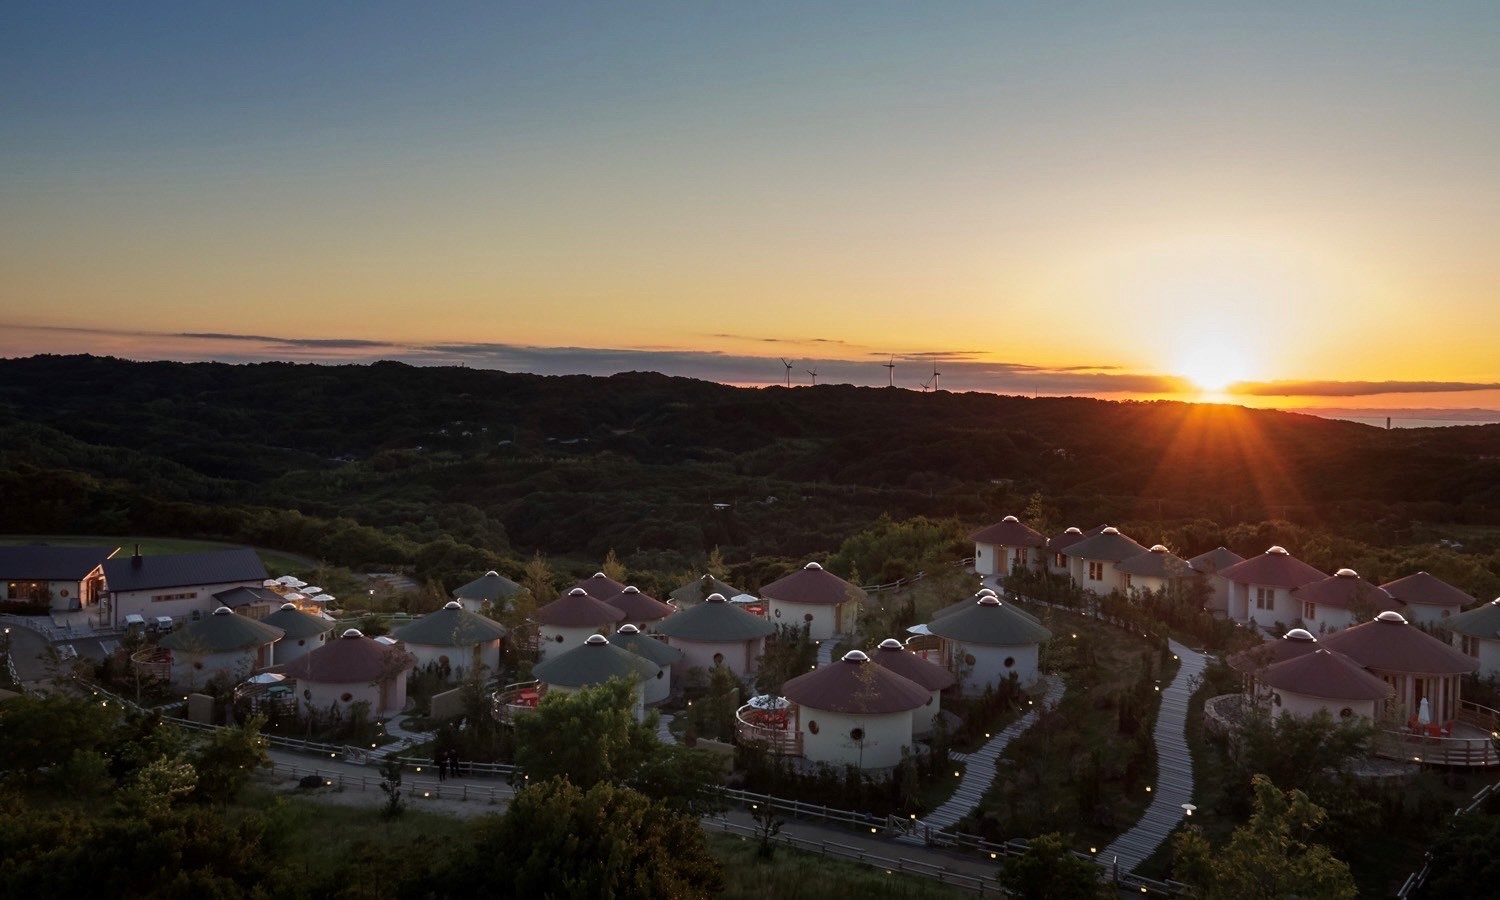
(1408, 418)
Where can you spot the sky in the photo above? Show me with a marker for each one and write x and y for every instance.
(1269, 202)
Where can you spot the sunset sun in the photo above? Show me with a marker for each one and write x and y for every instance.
(1212, 367)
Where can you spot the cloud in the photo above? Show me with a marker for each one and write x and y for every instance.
(1355, 388)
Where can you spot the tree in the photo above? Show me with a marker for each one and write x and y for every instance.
(613, 569)
(587, 737)
(1269, 857)
(537, 580)
(390, 785)
(767, 826)
(226, 759)
(40, 732)
(558, 840)
(1466, 859)
(682, 779)
(716, 566)
(1048, 870)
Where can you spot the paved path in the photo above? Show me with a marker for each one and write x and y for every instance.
(981, 767)
(663, 732)
(825, 651)
(1174, 769)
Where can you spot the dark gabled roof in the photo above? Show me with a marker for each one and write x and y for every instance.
(639, 607)
(451, 626)
(1294, 643)
(698, 591)
(1010, 532)
(1274, 568)
(45, 562)
(141, 573)
(1215, 560)
(856, 685)
(1426, 590)
(599, 585)
(236, 597)
(222, 632)
(1108, 545)
(1158, 562)
(352, 658)
(1326, 674)
(1388, 644)
(714, 621)
(630, 638)
(990, 621)
(578, 609)
(1343, 589)
(1480, 622)
(1070, 536)
(491, 586)
(892, 655)
(814, 585)
(594, 662)
(296, 623)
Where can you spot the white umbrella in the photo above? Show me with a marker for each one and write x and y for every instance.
(918, 629)
(766, 701)
(270, 582)
(293, 595)
(265, 678)
(322, 598)
(1424, 712)
(287, 579)
(311, 589)
(296, 583)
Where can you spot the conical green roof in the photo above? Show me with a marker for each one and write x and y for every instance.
(491, 586)
(1480, 622)
(595, 662)
(699, 590)
(296, 623)
(451, 626)
(716, 621)
(630, 638)
(989, 621)
(221, 632)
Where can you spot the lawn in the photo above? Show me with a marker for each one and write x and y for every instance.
(1083, 768)
(797, 873)
(274, 560)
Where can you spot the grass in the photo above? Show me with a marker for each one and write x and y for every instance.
(798, 873)
(274, 560)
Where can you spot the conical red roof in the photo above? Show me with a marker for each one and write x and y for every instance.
(856, 685)
(1388, 644)
(1010, 532)
(578, 609)
(1343, 589)
(1427, 590)
(1274, 568)
(349, 658)
(892, 655)
(1325, 674)
(811, 584)
(1297, 642)
(639, 607)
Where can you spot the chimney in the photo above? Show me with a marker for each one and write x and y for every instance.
(135, 560)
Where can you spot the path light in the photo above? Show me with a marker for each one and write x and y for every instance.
(1187, 809)
(1093, 849)
(1148, 788)
(956, 775)
(872, 831)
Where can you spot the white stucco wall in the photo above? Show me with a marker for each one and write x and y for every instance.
(459, 658)
(1489, 654)
(288, 649)
(821, 627)
(193, 670)
(549, 646)
(124, 603)
(1110, 579)
(1284, 609)
(923, 719)
(989, 666)
(999, 559)
(739, 656)
(1304, 706)
(884, 738)
(1422, 614)
(1140, 584)
(327, 693)
(1217, 601)
(1327, 619)
(658, 688)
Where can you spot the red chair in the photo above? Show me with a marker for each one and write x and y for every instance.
(1448, 728)
(1434, 730)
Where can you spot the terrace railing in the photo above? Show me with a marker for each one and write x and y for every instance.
(750, 725)
(515, 699)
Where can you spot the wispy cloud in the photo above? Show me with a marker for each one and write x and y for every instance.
(1355, 388)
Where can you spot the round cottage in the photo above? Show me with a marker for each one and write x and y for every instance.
(988, 642)
(453, 638)
(221, 643)
(641, 610)
(593, 663)
(304, 632)
(350, 669)
(936, 679)
(1323, 681)
(631, 638)
(717, 633)
(489, 591)
(811, 596)
(854, 712)
(1412, 661)
(568, 621)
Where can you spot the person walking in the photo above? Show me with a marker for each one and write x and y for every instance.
(442, 765)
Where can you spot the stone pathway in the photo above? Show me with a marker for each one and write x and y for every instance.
(825, 651)
(1174, 770)
(663, 733)
(981, 768)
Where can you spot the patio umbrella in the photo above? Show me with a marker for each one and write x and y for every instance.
(293, 595)
(270, 582)
(310, 589)
(287, 579)
(322, 598)
(766, 701)
(1424, 712)
(265, 678)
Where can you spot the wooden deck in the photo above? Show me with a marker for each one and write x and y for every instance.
(1472, 743)
(514, 700)
(786, 741)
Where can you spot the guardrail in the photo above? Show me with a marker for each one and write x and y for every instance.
(417, 789)
(903, 582)
(1416, 880)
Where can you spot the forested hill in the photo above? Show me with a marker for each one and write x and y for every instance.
(638, 461)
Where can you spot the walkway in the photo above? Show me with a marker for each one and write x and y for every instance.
(980, 771)
(825, 651)
(1174, 769)
(404, 738)
(663, 729)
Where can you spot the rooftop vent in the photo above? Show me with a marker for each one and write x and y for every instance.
(1299, 634)
(453, 604)
(353, 633)
(598, 575)
(856, 656)
(1278, 550)
(891, 644)
(1158, 548)
(986, 591)
(288, 606)
(989, 601)
(1391, 617)
(577, 592)
(1010, 519)
(223, 611)
(1346, 573)
(597, 640)
(1073, 529)
(813, 565)
(715, 598)
(628, 629)
(1110, 529)
(491, 574)
(631, 589)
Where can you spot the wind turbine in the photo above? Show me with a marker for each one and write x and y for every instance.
(936, 376)
(788, 371)
(890, 371)
(926, 384)
(814, 374)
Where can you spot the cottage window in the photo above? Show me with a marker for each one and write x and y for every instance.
(808, 617)
(1265, 598)
(1309, 611)
(718, 659)
(163, 598)
(1345, 713)
(812, 726)
(1023, 556)
(1469, 645)
(1096, 571)
(1058, 562)
(1127, 581)
(1010, 662)
(346, 696)
(559, 639)
(857, 734)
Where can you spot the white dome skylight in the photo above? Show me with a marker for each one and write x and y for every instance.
(1010, 519)
(812, 565)
(628, 629)
(1110, 529)
(577, 592)
(597, 640)
(1346, 573)
(1391, 617)
(1073, 529)
(856, 656)
(1299, 634)
(715, 598)
(453, 604)
(1158, 548)
(353, 633)
(223, 611)
(890, 644)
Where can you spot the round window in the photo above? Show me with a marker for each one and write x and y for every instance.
(808, 617)
(718, 659)
(1010, 662)
(1345, 713)
(968, 659)
(929, 702)
(559, 639)
(443, 661)
(1275, 699)
(64, 592)
(307, 693)
(778, 613)
(1443, 615)
(856, 734)
(346, 696)
(660, 673)
(302, 643)
(812, 727)
(197, 665)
